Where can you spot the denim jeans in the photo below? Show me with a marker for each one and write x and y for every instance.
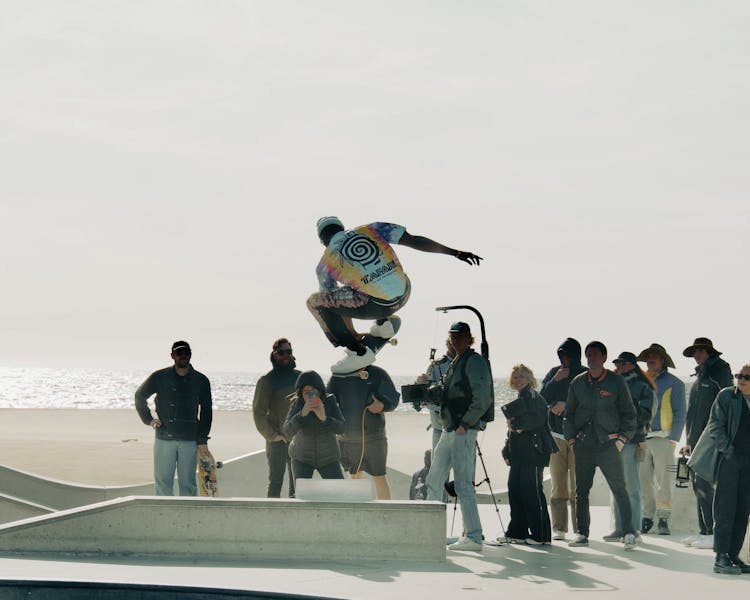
(171, 454)
(631, 470)
(459, 452)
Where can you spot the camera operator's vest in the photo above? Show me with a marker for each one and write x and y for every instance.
(458, 406)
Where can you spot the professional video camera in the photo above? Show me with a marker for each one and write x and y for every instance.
(419, 394)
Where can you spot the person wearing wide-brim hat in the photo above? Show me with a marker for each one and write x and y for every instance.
(667, 424)
(712, 374)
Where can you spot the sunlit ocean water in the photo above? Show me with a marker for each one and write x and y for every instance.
(23, 387)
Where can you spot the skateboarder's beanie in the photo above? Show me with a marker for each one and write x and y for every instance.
(310, 378)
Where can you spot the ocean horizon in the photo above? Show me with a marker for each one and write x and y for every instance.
(77, 388)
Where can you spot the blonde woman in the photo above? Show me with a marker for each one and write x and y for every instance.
(527, 449)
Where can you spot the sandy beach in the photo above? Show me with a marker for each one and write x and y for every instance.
(113, 447)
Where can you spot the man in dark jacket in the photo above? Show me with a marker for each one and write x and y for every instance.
(468, 397)
(712, 374)
(270, 407)
(182, 422)
(562, 463)
(599, 420)
(729, 428)
(364, 445)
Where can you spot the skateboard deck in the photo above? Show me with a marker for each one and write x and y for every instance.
(207, 481)
(376, 344)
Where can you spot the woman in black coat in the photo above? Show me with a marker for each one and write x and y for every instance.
(527, 451)
(313, 421)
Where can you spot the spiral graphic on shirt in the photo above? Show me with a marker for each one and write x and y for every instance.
(360, 249)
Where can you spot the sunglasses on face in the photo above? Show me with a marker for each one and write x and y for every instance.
(284, 352)
(740, 376)
(182, 352)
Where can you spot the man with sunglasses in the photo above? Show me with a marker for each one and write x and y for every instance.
(182, 422)
(273, 394)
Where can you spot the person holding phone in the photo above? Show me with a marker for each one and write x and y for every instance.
(313, 421)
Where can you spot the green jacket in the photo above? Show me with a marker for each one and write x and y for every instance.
(600, 407)
(468, 392)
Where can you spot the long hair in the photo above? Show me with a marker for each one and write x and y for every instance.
(644, 376)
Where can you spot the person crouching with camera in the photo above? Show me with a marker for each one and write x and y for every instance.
(467, 396)
(527, 450)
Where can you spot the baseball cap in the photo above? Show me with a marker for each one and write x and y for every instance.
(460, 327)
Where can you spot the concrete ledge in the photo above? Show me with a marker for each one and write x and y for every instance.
(13, 509)
(237, 529)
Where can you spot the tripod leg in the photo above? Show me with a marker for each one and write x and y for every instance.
(489, 485)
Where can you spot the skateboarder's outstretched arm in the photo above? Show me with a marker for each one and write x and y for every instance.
(425, 244)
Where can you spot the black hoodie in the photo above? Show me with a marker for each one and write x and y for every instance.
(557, 391)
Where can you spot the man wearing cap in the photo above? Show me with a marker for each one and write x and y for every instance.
(465, 409)
(182, 422)
(273, 393)
(712, 374)
(599, 420)
(361, 277)
(657, 479)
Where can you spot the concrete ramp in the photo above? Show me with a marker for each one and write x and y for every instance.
(13, 509)
(235, 529)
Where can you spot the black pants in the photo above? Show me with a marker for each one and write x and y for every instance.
(607, 458)
(277, 454)
(732, 504)
(528, 506)
(704, 494)
(305, 471)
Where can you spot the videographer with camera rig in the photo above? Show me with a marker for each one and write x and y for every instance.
(465, 399)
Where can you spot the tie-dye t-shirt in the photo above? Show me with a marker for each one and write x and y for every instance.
(363, 259)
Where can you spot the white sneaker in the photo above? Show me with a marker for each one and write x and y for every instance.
(559, 535)
(384, 331)
(466, 544)
(579, 540)
(629, 541)
(706, 542)
(532, 542)
(351, 362)
(688, 541)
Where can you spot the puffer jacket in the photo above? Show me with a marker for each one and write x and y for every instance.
(711, 377)
(314, 442)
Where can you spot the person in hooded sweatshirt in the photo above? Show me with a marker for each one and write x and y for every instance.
(312, 424)
(562, 464)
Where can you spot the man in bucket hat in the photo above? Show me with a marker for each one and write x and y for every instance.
(661, 442)
(712, 374)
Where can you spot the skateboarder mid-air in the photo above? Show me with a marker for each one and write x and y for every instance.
(361, 278)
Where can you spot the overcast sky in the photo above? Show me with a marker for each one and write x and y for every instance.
(163, 163)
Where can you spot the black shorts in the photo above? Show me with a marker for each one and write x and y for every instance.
(373, 463)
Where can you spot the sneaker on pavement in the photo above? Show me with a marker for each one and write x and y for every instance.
(706, 542)
(628, 541)
(579, 540)
(688, 541)
(615, 536)
(504, 539)
(559, 535)
(532, 542)
(646, 525)
(663, 527)
(638, 537)
(466, 544)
